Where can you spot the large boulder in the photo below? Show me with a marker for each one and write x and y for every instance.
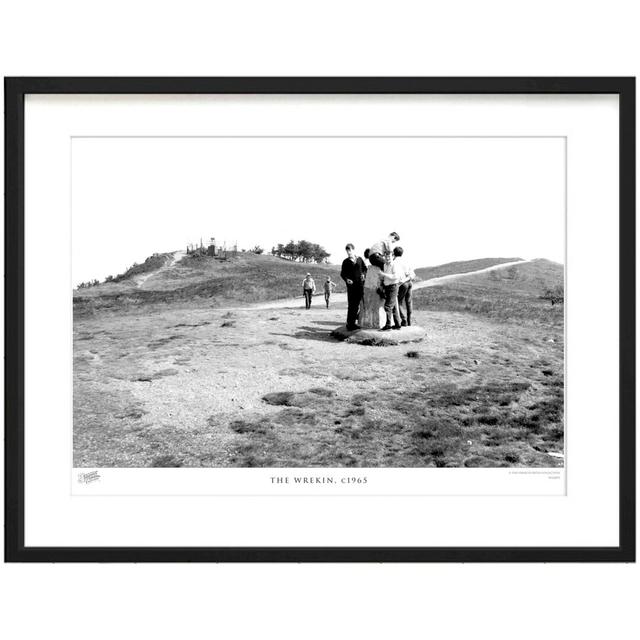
(378, 338)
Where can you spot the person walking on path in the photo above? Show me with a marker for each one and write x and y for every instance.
(391, 284)
(308, 289)
(407, 276)
(353, 272)
(329, 285)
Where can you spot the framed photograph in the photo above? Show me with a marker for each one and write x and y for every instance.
(320, 319)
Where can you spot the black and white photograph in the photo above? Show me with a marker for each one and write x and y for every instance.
(318, 301)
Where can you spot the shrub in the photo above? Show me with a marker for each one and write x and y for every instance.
(284, 398)
(555, 295)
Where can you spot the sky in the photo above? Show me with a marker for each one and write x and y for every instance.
(448, 198)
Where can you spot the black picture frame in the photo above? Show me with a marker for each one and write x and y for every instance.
(15, 91)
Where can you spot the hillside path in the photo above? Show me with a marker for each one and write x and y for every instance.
(177, 255)
(342, 297)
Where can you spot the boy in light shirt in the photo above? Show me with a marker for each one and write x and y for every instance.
(391, 280)
(405, 286)
(329, 286)
(379, 251)
(308, 289)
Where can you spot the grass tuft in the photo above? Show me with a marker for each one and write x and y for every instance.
(279, 398)
(321, 391)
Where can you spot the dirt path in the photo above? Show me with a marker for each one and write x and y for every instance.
(433, 282)
(140, 280)
(342, 297)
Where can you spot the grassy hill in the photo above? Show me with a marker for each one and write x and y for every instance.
(464, 266)
(244, 279)
(151, 264)
(249, 278)
(510, 294)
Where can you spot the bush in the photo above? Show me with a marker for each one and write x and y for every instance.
(555, 295)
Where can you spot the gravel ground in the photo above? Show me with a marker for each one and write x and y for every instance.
(161, 388)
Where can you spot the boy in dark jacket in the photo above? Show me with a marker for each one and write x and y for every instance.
(353, 273)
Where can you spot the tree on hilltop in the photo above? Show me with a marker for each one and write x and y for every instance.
(291, 250)
(301, 251)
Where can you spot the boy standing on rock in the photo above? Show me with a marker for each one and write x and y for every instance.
(407, 275)
(353, 273)
(392, 276)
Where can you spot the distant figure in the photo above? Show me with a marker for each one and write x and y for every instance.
(353, 273)
(329, 285)
(379, 251)
(407, 276)
(391, 283)
(308, 289)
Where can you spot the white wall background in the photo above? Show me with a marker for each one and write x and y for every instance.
(330, 38)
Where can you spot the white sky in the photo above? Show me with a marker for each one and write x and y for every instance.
(448, 198)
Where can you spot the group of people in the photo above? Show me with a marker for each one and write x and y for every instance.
(387, 276)
(382, 275)
(309, 290)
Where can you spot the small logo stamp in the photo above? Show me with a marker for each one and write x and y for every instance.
(88, 477)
